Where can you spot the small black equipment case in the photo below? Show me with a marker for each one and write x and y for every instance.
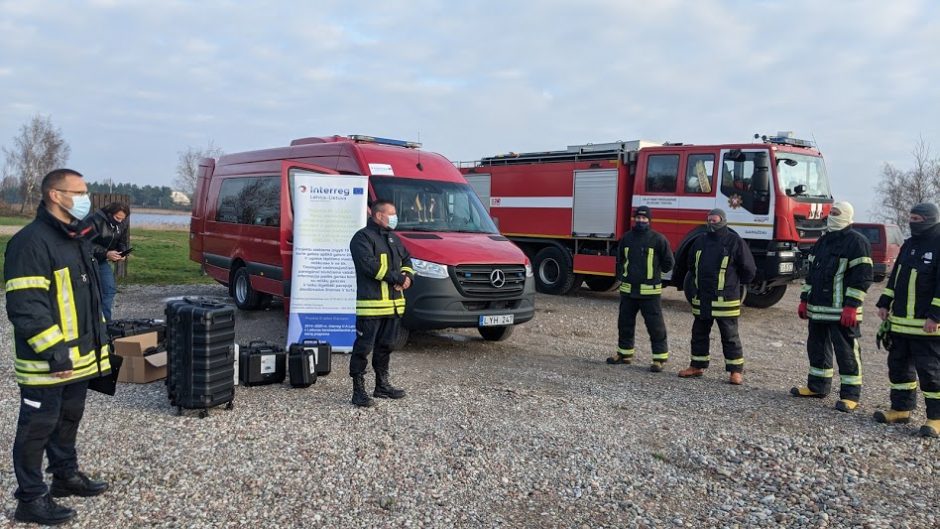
(305, 360)
(201, 349)
(261, 363)
(122, 328)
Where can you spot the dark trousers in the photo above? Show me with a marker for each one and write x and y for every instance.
(911, 359)
(730, 343)
(375, 335)
(824, 339)
(48, 423)
(108, 287)
(652, 311)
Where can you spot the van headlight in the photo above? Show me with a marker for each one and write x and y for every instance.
(528, 270)
(429, 269)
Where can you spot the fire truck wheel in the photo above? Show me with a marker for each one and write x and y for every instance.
(766, 298)
(602, 283)
(554, 272)
(246, 297)
(496, 334)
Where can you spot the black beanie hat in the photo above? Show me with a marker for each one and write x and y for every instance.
(929, 211)
(645, 211)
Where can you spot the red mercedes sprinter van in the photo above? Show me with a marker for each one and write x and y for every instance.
(886, 241)
(467, 274)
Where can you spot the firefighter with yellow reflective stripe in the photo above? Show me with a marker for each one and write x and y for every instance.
(54, 304)
(910, 303)
(383, 273)
(643, 255)
(720, 266)
(840, 273)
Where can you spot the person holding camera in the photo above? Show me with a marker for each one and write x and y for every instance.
(109, 246)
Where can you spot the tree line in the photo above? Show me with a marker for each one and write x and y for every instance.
(40, 147)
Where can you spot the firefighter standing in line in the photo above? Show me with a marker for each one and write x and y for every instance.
(53, 301)
(839, 276)
(910, 304)
(720, 266)
(383, 273)
(643, 255)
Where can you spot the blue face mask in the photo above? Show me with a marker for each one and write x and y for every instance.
(81, 205)
(392, 221)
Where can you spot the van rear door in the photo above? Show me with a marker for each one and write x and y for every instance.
(288, 169)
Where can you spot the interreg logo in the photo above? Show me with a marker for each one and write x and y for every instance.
(337, 191)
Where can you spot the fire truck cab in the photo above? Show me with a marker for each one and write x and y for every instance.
(568, 209)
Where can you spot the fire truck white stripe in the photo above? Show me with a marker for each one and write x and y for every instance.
(531, 202)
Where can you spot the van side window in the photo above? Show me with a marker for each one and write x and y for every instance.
(662, 171)
(250, 200)
(700, 173)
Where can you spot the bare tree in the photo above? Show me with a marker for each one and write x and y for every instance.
(187, 168)
(900, 190)
(38, 149)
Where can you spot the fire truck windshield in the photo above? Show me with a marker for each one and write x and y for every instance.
(802, 176)
(428, 205)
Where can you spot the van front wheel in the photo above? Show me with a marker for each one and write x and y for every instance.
(246, 297)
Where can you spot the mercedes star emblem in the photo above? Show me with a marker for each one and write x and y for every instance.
(497, 278)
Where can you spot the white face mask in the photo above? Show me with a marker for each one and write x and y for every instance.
(81, 205)
(392, 221)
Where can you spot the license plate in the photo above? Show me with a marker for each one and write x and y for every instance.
(500, 319)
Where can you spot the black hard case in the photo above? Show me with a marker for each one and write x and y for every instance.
(251, 358)
(200, 345)
(302, 365)
(122, 328)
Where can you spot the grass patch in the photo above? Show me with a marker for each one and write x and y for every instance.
(159, 258)
(6, 220)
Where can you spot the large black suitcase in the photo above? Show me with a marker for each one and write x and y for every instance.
(261, 363)
(305, 362)
(200, 345)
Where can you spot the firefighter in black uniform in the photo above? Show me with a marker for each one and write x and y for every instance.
(839, 276)
(61, 343)
(643, 255)
(910, 303)
(720, 266)
(383, 273)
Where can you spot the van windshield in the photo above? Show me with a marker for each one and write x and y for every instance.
(427, 205)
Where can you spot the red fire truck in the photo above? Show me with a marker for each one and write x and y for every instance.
(567, 209)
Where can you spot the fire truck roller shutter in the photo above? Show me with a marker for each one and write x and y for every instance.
(554, 271)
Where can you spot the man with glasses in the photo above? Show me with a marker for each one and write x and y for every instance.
(61, 343)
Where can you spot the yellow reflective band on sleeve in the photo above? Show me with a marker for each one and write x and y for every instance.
(935, 302)
(721, 273)
(734, 361)
(932, 394)
(19, 283)
(812, 258)
(860, 260)
(905, 386)
(821, 373)
(911, 293)
(649, 264)
(698, 257)
(46, 339)
(856, 293)
(407, 270)
(383, 266)
(68, 316)
(705, 358)
(888, 292)
(850, 380)
(625, 288)
(626, 263)
(806, 288)
(660, 356)
(837, 283)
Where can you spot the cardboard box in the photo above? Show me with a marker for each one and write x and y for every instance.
(137, 367)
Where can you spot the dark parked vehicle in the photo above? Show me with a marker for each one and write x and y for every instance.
(886, 240)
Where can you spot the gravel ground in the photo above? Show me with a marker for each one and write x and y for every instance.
(536, 431)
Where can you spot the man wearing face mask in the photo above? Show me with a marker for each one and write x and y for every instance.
(643, 255)
(720, 267)
(61, 343)
(383, 273)
(840, 273)
(911, 305)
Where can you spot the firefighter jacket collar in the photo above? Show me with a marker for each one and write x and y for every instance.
(72, 229)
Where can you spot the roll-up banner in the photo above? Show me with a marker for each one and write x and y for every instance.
(328, 210)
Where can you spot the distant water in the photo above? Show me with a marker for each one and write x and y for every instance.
(143, 219)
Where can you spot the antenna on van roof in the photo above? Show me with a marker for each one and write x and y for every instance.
(418, 165)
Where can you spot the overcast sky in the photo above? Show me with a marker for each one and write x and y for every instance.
(132, 83)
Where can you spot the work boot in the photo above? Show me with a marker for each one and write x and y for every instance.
(691, 372)
(931, 428)
(43, 510)
(360, 397)
(383, 389)
(656, 367)
(78, 484)
(806, 393)
(619, 359)
(893, 417)
(846, 405)
(736, 378)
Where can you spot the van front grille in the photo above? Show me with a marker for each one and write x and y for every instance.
(490, 280)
